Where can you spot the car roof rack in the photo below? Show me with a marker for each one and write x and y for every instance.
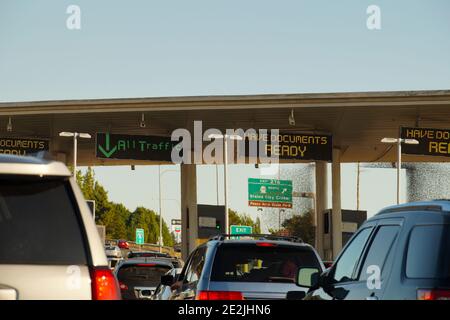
(439, 205)
(222, 237)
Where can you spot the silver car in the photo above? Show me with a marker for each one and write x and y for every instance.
(250, 268)
(49, 245)
(113, 252)
(138, 278)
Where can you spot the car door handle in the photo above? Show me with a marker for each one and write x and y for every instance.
(7, 293)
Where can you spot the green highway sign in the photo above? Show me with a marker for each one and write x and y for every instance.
(140, 239)
(270, 193)
(134, 147)
(241, 230)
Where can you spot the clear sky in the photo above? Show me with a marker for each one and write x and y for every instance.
(198, 47)
(202, 47)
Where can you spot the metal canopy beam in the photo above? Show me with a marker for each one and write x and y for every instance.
(357, 121)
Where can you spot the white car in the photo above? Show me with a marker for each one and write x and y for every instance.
(113, 252)
(49, 245)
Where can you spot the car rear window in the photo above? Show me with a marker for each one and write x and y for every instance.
(38, 222)
(252, 263)
(143, 273)
(428, 253)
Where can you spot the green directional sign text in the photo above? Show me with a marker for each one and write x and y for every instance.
(270, 193)
(241, 230)
(134, 147)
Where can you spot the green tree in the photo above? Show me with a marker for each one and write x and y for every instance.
(234, 218)
(87, 183)
(120, 223)
(168, 238)
(144, 219)
(92, 190)
(301, 226)
(149, 221)
(115, 221)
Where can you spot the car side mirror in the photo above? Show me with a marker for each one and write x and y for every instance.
(325, 279)
(167, 280)
(308, 277)
(295, 295)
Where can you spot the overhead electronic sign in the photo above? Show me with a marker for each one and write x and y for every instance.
(23, 146)
(134, 147)
(293, 146)
(432, 142)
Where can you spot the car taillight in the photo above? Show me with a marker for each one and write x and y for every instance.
(265, 244)
(433, 294)
(104, 285)
(123, 286)
(219, 295)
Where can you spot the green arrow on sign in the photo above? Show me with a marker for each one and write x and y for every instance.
(108, 153)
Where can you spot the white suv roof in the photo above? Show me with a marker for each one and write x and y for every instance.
(10, 164)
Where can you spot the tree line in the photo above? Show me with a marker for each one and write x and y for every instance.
(301, 225)
(121, 223)
(235, 218)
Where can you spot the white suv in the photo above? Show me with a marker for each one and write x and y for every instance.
(49, 245)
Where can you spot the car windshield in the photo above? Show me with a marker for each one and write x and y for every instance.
(143, 274)
(38, 222)
(252, 263)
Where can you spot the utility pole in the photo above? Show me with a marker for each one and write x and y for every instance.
(399, 142)
(75, 136)
(217, 183)
(225, 138)
(160, 209)
(357, 185)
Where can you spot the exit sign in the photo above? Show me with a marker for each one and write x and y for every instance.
(240, 230)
